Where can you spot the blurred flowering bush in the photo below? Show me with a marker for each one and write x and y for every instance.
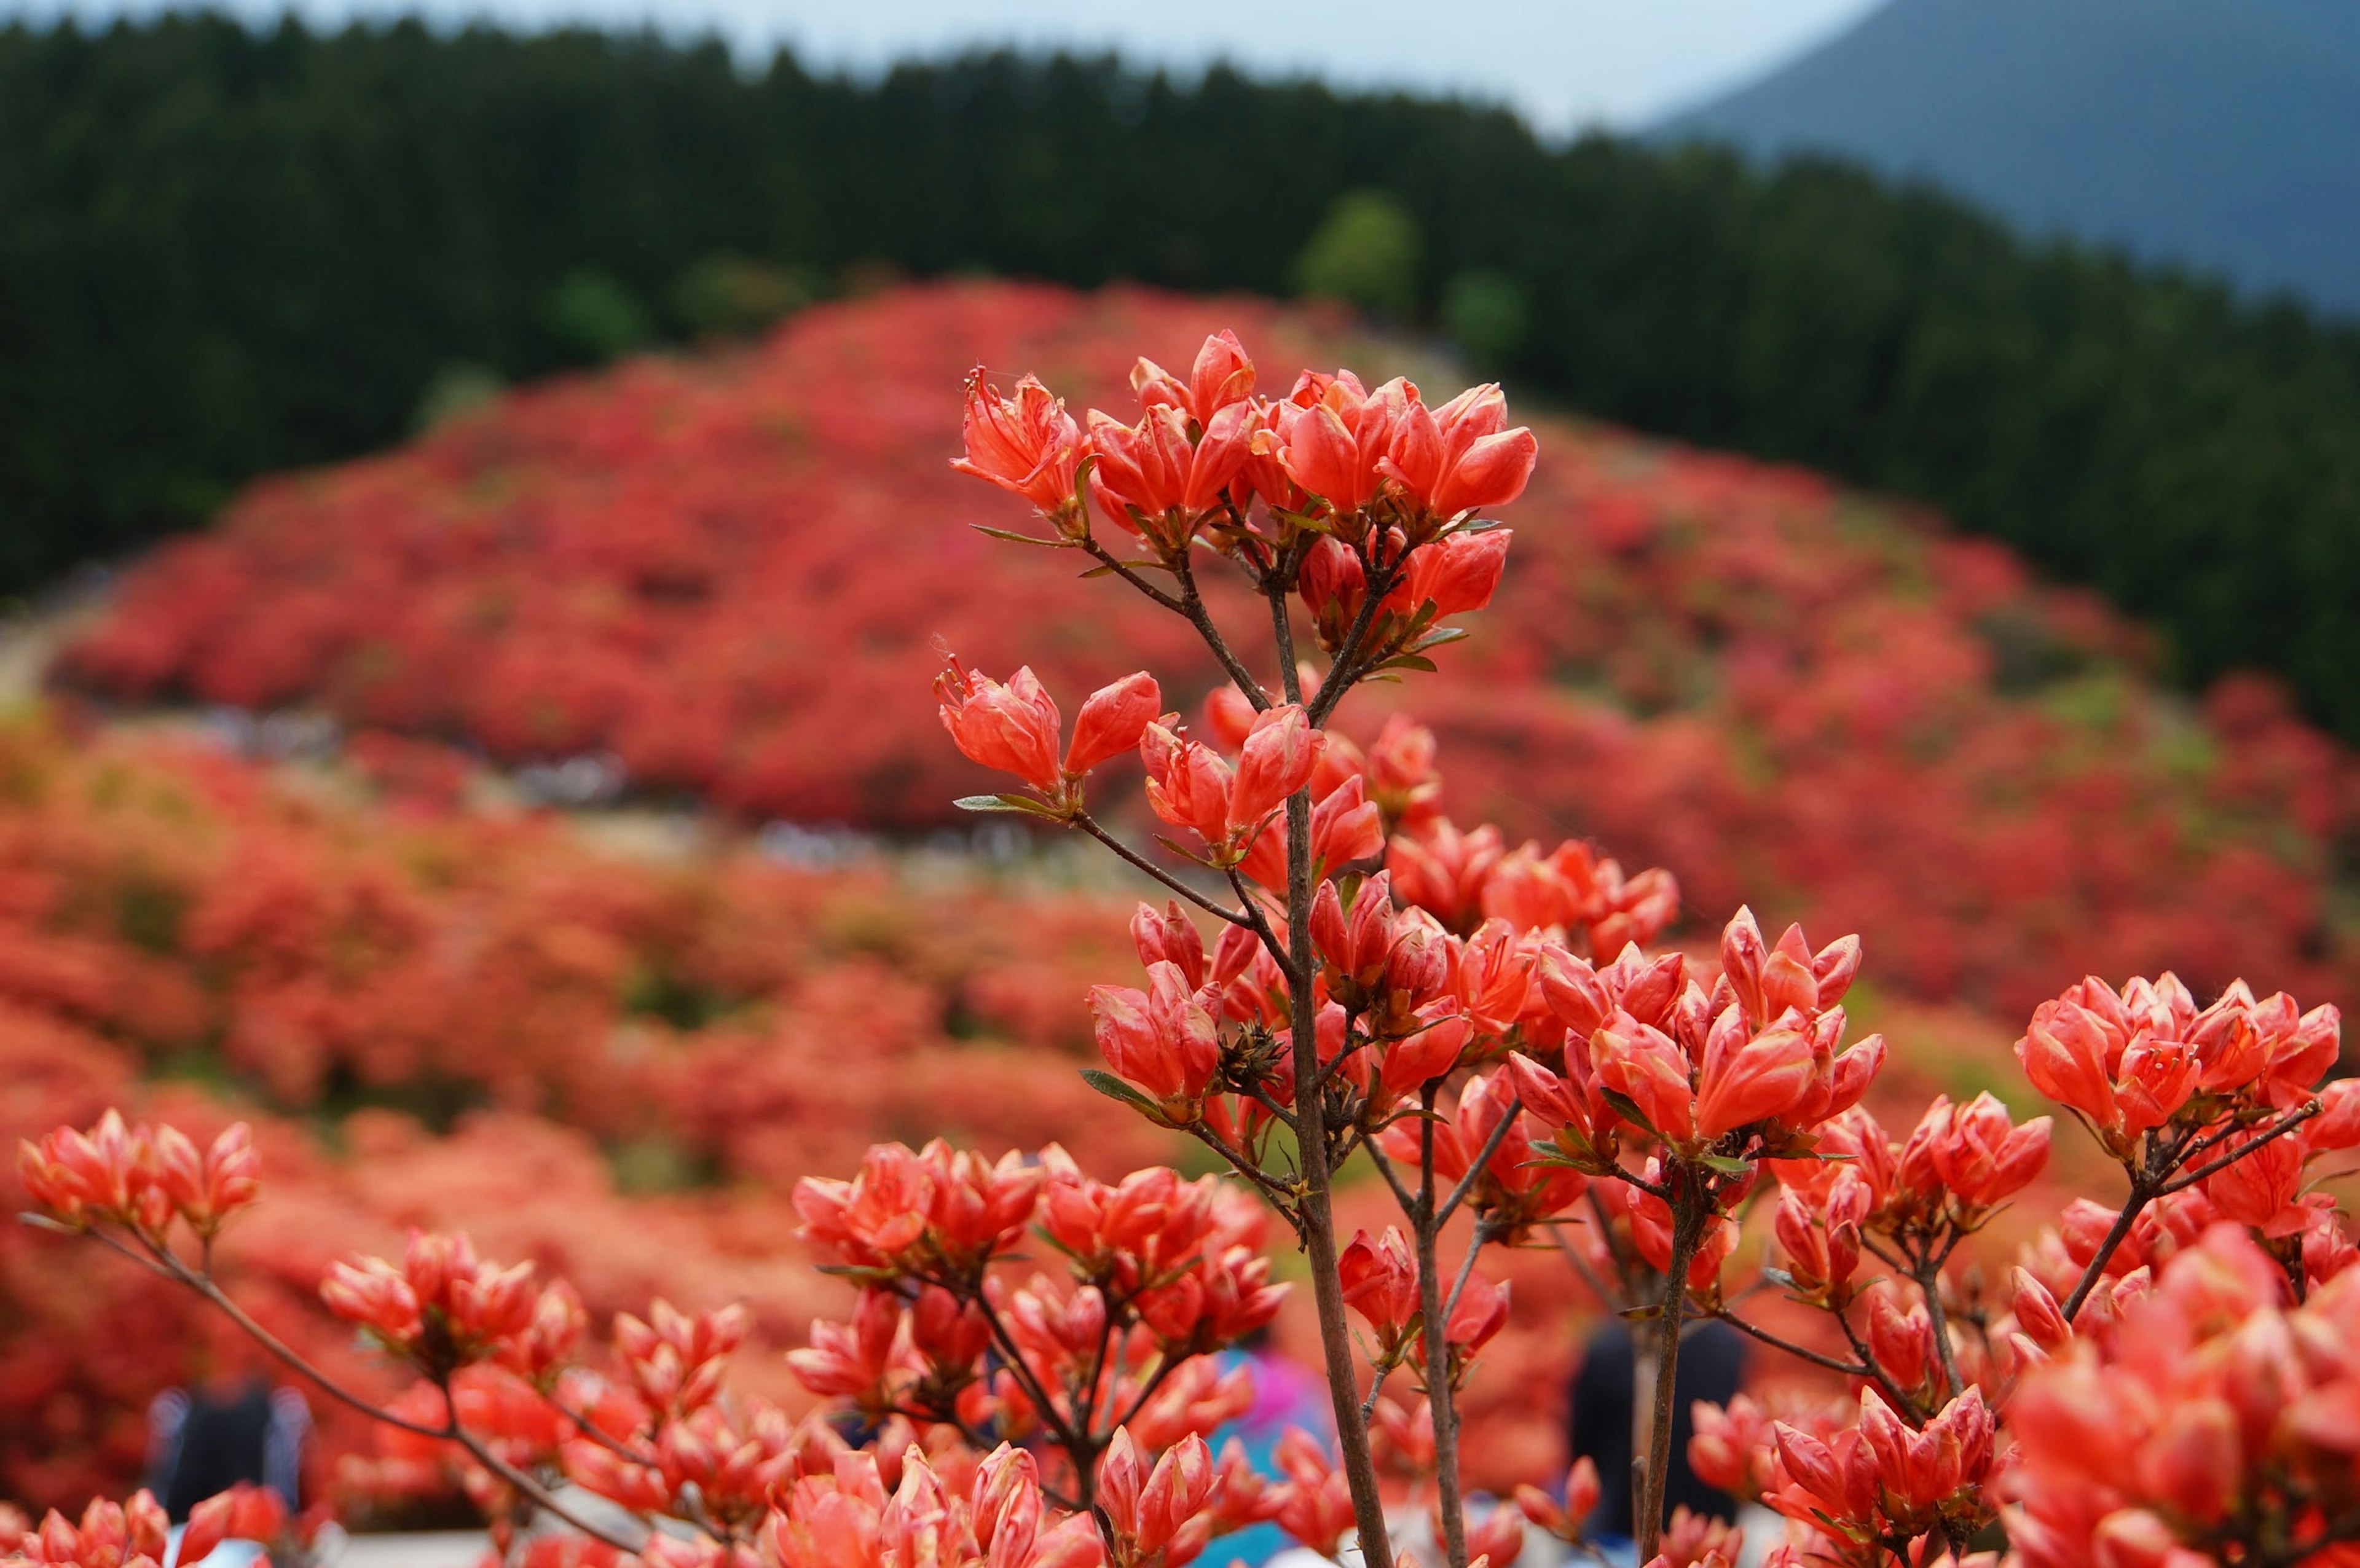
(170, 911)
(730, 572)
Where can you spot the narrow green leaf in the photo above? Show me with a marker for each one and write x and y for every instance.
(1013, 536)
(1003, 803)
(1114, 1088)
(1627, 1108)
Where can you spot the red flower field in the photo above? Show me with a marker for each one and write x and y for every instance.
(730, 572)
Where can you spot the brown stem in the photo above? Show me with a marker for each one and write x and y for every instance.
(1929, 1275)
(1192, 606)
(1466, 1267)
(2278, 1129)
(1899, 1398)
(1689, 1218)
(1281, 1197)
(168, 1263)
(1608, 1298)
(1345, 671)
(2141, 1195)
(1482, 1159)
(1801, 1352)
(1424, 1222)
(542, 1496)
(204, 1286)
(1318, 1215)
(1130, 856)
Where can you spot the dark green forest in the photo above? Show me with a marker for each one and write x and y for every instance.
(224, 251)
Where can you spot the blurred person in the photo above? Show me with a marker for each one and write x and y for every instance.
(228, 1429)
(1598, 1412)
(1287, 1393)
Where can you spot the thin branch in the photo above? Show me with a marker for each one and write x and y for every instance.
(1124, 570)
(1899, 1397)
(1928, 1276)
(1090, 826)
(1466, 1267)
(1345, 672)
(2286, 1125)
(1034, 1390)
(1475, 1170)
(540, 1496)
(1290, 678)
(1439, 1391)
(1611, 1300)
(1284, 1116)
(1155, 1380)
(1250, 915)
(1271, 1186)
(2136, 1204)
(204, 1286)
(1801, 1353)
(1652, 1188)
(1401, 1194)
(1191, 604)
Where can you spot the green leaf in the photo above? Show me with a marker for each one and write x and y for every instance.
(1626, 1107)
(1114, 1088)
(1443, 637)
(1727, 1164)
(1185, 852)
(1408, 661)
(1003, 803)
(1012, 535)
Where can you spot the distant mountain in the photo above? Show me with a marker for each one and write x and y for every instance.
(2223, 133)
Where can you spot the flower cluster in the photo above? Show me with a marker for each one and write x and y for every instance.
(142, 1179)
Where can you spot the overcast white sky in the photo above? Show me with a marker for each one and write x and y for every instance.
(1565, 63)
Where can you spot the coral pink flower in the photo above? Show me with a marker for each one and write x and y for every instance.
(208, 1189)
(1012, 728)
(1764, 981)
(1159, 1510)
(1161, 1039)
(1456, 574)
(1221, 375)
(1461, 457)
(1277, 759)
(1153, 468)
(1749, 1077)
(1027, 444)
(1563, 1520)
(474, 1305)
(1380, 1281)
(1111, 721)
(1333, 434)
(244, 1512)
(1974, 1153)
(1647, 1068)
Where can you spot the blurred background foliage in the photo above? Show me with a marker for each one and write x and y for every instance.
(231, 250)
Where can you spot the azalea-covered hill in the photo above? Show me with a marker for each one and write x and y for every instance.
(731, 572)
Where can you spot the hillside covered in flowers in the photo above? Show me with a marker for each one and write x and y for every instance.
(731, 573)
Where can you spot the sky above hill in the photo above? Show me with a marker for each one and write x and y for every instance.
(1564, 64)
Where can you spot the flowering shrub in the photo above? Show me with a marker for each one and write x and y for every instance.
(1783, 694)
(1490, 1033)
